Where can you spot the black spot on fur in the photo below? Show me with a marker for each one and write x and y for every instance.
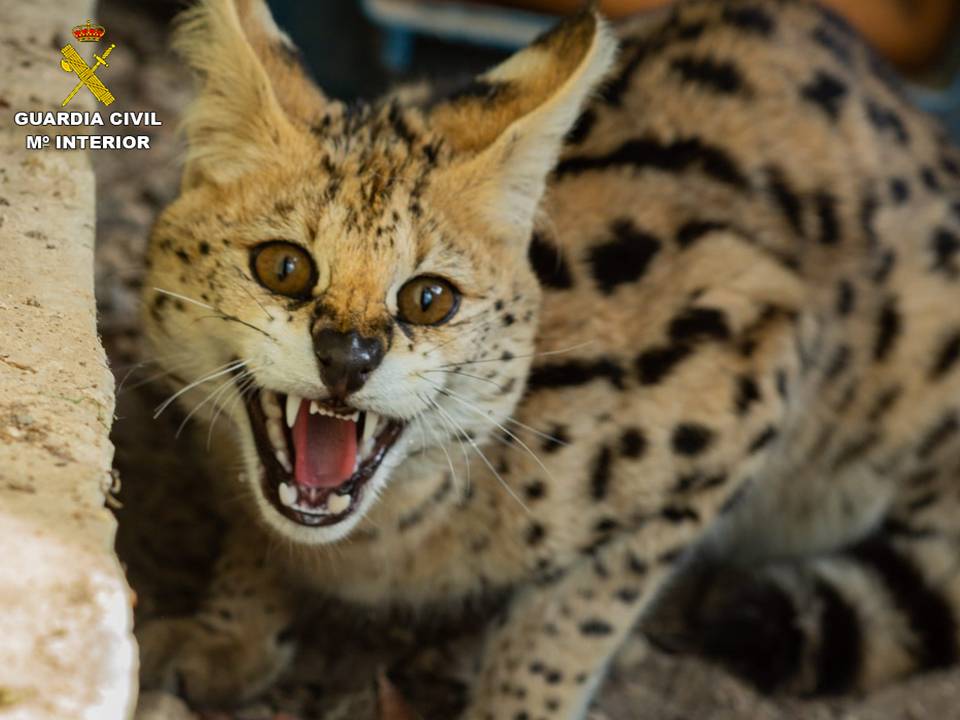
(827, 92)
(204, 247)
(535, 534)
(748, 392)
(888, 330)
(549, 264)
(899, 190)
(930, 180)
(657, 363)
(699, 324)
(946, 428)
(767, 436)
(581, 128)
(947, 356)
(928, 612)
(841, 646)
(691, 232)
(827, 213)
(633, 443)
(676, 157)
(558, 438)
(535, 490)
(595, 627)
(846, 298)
(886, 120)
(839, 362)
(691, 439)
(676, 515)
(600, 474)
(574, 373)
(623, 259)
(720, 76)
(884, 266)
(786, 198)
(884, 403)
(751, 18)
(697, 482)
(838, 46)
(945, 245)
(184, 258)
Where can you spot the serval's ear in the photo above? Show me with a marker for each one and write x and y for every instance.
(252, 93)
(508, 127)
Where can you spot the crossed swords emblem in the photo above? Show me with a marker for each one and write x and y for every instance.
(86, 74)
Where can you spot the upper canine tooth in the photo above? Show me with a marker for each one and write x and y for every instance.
(293, 407)
(369, 427)
(270, 405)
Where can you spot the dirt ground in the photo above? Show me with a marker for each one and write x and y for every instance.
(168, 536)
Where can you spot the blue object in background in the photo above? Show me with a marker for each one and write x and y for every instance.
(944, 104)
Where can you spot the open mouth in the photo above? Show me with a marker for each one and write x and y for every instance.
(317, 456)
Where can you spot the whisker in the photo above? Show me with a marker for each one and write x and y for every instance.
(518, 357)
(219, 313)
(466, 375)
(211, 376)
(479, 411)
(483, 457)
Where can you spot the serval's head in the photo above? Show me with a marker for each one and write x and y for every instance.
(350, 284)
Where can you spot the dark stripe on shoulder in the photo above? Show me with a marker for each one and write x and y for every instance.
(840, 654)
(574, 373)
(928, 612)
(655, 364)
(720, 76)
(675, 157)
(751, 18)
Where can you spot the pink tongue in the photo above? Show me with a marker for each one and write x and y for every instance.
(325, 448)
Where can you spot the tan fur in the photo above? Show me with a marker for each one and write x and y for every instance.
(698, 391)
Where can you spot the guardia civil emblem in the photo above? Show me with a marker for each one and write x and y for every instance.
(87, 74)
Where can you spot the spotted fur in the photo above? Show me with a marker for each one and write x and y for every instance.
(709, 339)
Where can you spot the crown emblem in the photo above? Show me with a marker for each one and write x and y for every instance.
(89, 32)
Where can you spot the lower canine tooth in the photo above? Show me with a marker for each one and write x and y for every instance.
(275, 433)
(338, 503)
(270, 405)
(288, 494)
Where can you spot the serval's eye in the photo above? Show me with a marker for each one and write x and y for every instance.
(427, 300)
(284, 268)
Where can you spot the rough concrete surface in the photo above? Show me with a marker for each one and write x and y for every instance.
(168, 530)
(65, 644)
